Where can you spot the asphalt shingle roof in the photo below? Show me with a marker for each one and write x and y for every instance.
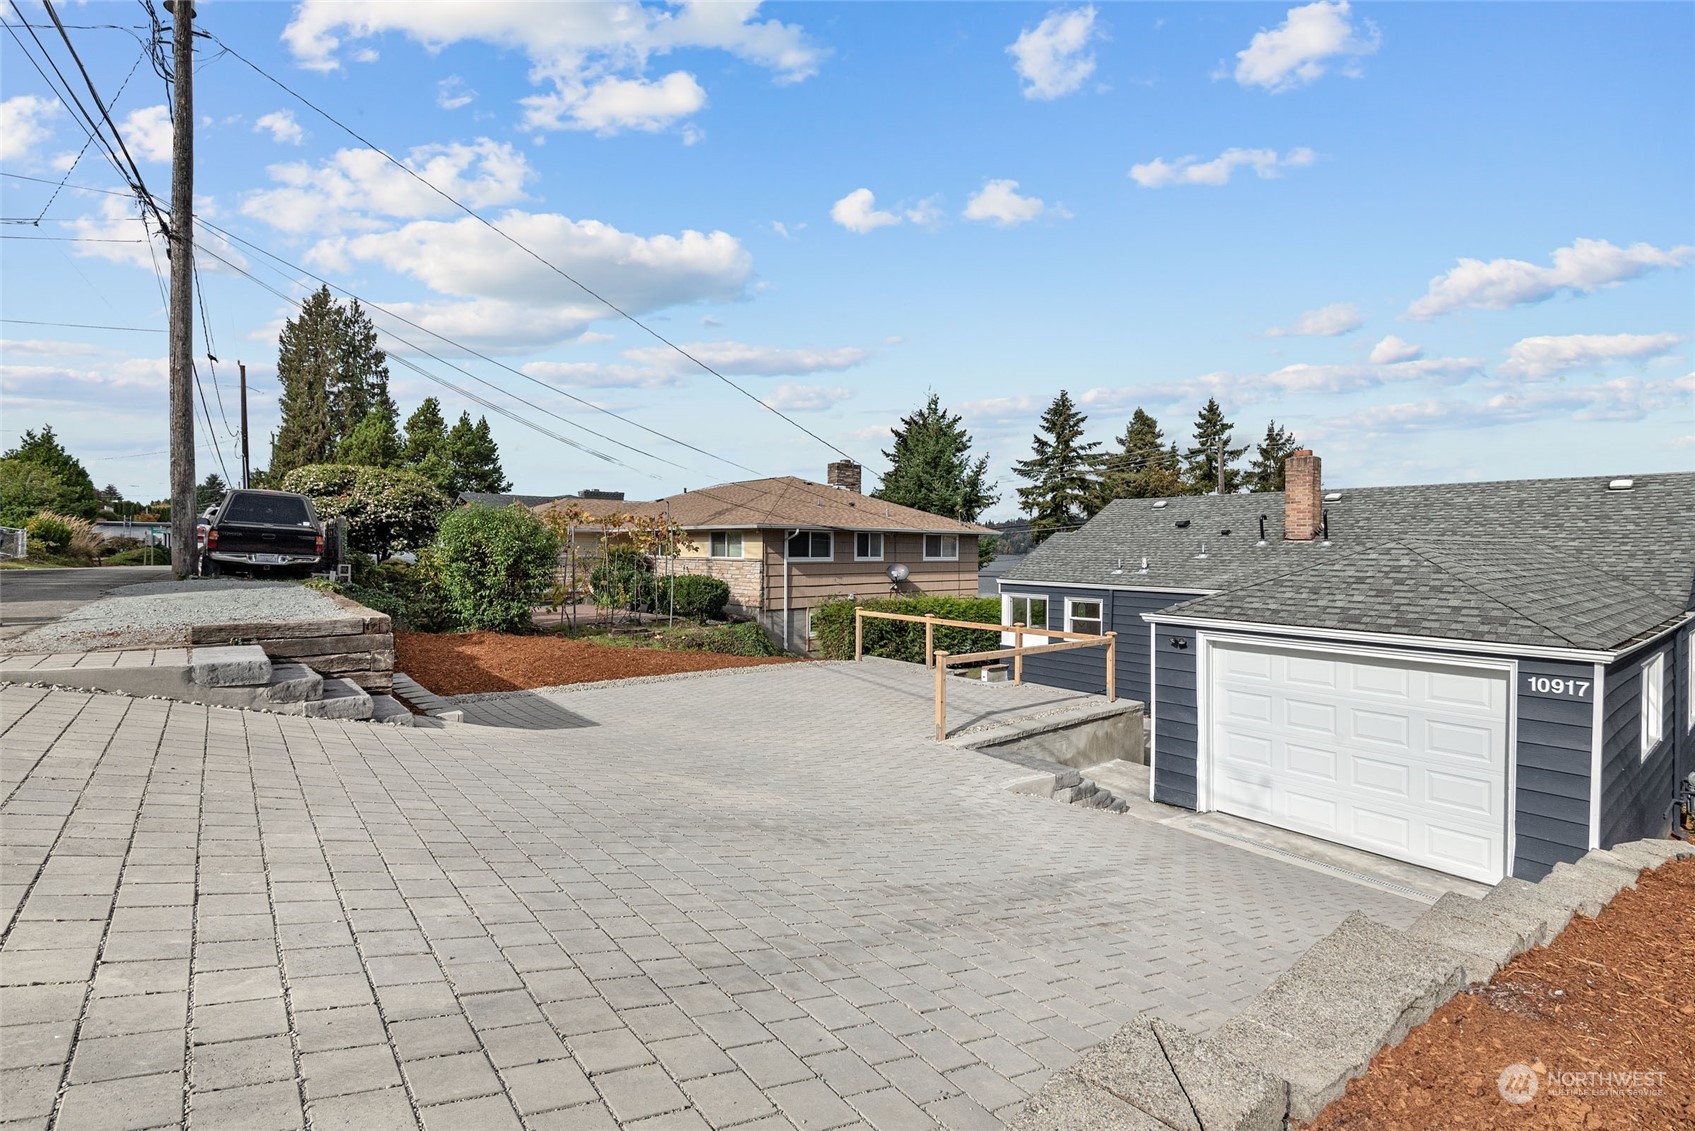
(1562, 563)
(787, 502)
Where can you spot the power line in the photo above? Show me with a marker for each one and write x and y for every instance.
(45, 181)
(579, 284)
(65, 239)
(484, 357)
(83, 326)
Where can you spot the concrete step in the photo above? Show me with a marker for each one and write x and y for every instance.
(290, 683)
(230, 665)
(388, 709)
(341, 699)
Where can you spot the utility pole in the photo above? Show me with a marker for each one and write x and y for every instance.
(1219, 465)
(242, 365)
(181, 248)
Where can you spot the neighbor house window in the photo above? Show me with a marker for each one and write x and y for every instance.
(1032, 612)
(727, 544)
(1083, 616)
(810, 545)
(867, 547)
(1653, 703)
(941, 547)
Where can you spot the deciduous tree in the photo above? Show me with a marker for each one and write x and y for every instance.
(77, 496)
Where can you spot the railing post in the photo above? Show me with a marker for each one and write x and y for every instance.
(930, 639)
(941, 696)
(858, 634)
(1112, 667)
(1018, 660)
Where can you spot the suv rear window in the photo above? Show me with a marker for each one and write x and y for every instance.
(271, 510)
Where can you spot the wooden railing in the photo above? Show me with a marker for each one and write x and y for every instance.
(942, 660)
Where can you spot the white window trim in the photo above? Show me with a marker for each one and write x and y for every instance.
(1651, 703)
(829, 557)
(1006, 618)
(1689, 692)
(953, 557)
(882, 545)
(741, 545)
(1069, 620)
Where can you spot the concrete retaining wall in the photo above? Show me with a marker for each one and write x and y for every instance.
(357, 646)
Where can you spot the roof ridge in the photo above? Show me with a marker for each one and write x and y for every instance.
(1451, 571)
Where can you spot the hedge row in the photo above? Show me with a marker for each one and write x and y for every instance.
(832, 626)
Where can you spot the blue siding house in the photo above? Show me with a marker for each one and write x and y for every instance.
(1485, 679)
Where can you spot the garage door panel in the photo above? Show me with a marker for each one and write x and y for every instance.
(1406, 758)
(1390, 778)
(1304, 714)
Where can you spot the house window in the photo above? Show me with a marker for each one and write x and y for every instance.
(1083, 616)
(1653, 703)
(810, 545)
(941, 547)
(1032, 612)
(867, 547)
(726, 544)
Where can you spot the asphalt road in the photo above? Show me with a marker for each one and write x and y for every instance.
(29, 597)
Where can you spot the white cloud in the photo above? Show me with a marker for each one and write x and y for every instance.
(1326, 322)
(1053, 58)
(792, 397)
(116, 376)
(282, 127)
(49, 347)
(1621, 399)
(858, 212)
(593, 375)
(592, 56)
(355, 186)
(927, 213)
(999, 202)
(610, 105)
(1191, 170)
(147, 132)
(1499, 284)
(453, 92)
(506, 300)
(743, 360)
(1534, 359)
(1392, 349)
(1304, 46)
(23, 125)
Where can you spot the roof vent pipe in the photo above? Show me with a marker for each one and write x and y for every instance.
(1144, 568)
(1261, 530)
(1621, 485)
(1324, 526)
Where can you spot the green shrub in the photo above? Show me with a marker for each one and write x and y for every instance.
(832, 626)
(49, 532)
(743, 638)
(623, 579)
(386, 509)
(689, 595)
(494, 566)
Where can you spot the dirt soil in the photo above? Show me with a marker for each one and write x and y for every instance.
(475, 662)
(1614, 994)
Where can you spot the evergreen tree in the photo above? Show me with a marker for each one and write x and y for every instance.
(425, 449)
(1212, 436)
(333, 375)
(77, 496)
(475, 457)
(931, 468)
(210, 491)
(1061, 469)
(1143, 467)
(1266, 472)
(374, 443)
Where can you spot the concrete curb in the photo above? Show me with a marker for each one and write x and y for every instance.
(1357, 990)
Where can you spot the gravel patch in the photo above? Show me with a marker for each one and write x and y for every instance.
(160, 612)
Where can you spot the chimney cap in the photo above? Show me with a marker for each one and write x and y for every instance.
(1300, 452)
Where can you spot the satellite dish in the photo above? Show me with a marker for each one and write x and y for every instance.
(898, 572)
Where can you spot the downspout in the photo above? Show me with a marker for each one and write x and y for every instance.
(791, 534)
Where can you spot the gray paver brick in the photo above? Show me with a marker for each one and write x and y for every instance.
(738, 900)
(461, 1076)
(727, 1098)
(635, 1093)
(119, 1105)
(257, 1107)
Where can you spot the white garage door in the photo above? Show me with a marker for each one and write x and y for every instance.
(1399, 757)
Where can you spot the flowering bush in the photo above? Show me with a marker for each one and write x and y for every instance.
(386, 509)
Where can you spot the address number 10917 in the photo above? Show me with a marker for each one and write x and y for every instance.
(1553, 685)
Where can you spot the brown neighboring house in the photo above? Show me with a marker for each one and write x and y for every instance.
(785, 544)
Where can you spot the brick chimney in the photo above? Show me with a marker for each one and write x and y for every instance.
(844, 473)
(1303, 495)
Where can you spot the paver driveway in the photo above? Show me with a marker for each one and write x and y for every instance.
(758, 899)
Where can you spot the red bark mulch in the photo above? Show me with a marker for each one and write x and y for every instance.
(1614, 994)
(476, 662)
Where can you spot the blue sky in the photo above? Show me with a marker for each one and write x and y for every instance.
(1439, 241)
